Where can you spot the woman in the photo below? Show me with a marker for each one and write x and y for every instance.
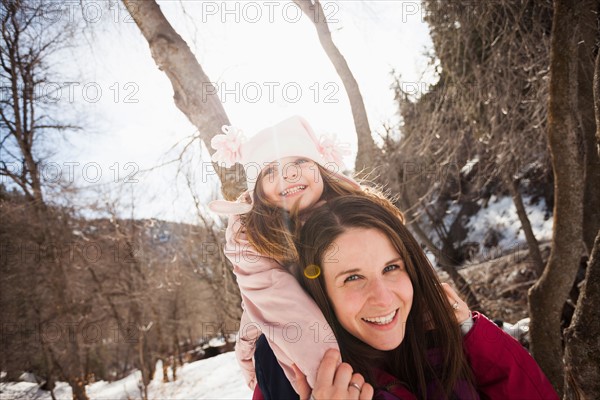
(396, 330)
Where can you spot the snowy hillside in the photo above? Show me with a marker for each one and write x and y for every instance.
(501, 216)
(214, 378)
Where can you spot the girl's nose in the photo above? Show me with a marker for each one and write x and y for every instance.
(290, 173)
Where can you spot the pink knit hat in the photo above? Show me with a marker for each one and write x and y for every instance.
(292, 137)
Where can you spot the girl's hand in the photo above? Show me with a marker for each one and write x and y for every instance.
(461, 309)
(301, 383)
(334, 382)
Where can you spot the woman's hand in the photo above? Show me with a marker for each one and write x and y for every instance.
(333, 381)
(461, 309)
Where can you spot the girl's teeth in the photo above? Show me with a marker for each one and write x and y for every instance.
(386, 319)
(292, 190)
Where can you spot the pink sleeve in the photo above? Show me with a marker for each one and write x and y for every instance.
(244, 349)
(274, 300)
(503, 369)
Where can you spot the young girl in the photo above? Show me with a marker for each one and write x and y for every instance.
(289, 172)
(396, 325)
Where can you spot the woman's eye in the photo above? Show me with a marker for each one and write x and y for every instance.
(301, 161)
(391, 268)
(351, 278)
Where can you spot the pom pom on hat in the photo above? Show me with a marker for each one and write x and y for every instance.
(228, 146)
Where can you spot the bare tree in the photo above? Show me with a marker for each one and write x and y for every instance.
(548, 295)
(194, 94)
(494, 118)
(404, 184)
(582, 361)
(220, 273)
(587, 122)
(368, 153)
(27, 42)
(582, 368)
(25, 117)
(475, 134)
(497, 122)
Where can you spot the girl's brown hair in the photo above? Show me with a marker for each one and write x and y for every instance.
(430, 317)
(270, 229)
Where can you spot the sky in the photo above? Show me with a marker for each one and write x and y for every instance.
(266, 62)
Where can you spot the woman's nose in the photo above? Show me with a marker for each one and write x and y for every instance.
(381, 293)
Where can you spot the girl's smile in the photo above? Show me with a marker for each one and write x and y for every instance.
(293, 190)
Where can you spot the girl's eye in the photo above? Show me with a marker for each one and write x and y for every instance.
(301, 161)
(391, 268)
(351, 278)
(268, 172)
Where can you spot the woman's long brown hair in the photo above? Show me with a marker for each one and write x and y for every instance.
(430, 308)
(271, 229)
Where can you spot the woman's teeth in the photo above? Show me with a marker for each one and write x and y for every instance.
(386, 319)
(293, 190)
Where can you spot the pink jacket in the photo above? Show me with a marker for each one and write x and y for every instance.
(275, 304)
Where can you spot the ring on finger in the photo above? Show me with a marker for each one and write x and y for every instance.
(355, 385)
(455, 305)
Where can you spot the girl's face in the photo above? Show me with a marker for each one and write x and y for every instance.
(368, 286)
(290, 180)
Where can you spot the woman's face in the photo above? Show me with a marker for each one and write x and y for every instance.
(368, 286)
(292, 179)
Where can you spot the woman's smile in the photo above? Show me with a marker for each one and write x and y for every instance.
(384, 321)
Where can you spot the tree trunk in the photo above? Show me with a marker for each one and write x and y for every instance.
(165, 369)
(50, 293)
(597, 99)
(78, 387)
(174, 366)
(143, 363)
(549, 293)
(590, 36)
(367, 151)
(582, 348)
(194, 93)
(534, 248)
(60, 287)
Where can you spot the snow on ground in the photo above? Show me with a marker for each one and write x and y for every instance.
(214, 378)
(501, 215)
